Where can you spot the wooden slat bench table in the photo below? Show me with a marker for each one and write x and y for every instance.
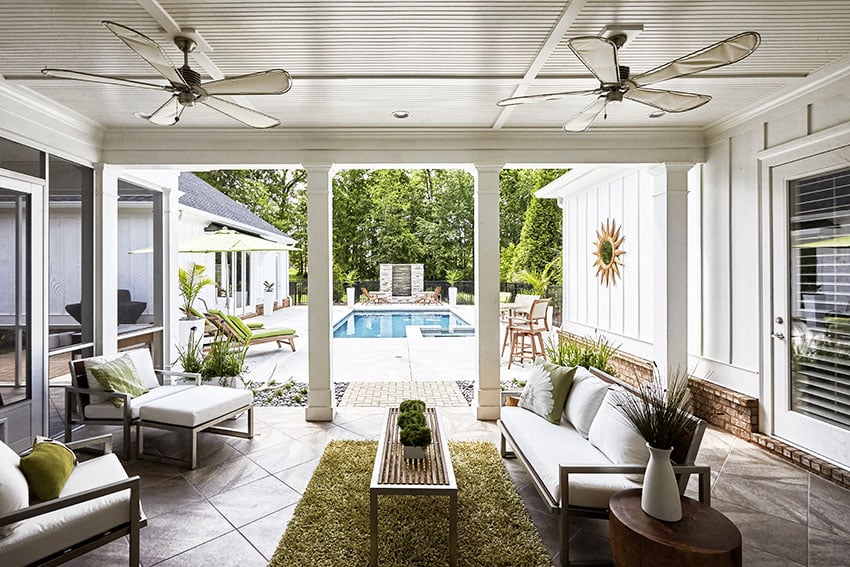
(431, 476)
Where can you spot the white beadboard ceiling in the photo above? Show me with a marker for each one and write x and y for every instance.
(447, 62)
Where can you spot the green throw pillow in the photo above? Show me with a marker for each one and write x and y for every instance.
(119, 375)
(240, 326)
(546, 390)
(47, 468)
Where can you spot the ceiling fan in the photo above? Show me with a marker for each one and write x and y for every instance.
(185, 83)
(599, 55)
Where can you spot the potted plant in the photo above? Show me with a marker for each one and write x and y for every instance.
(349, 281)
(190, 281)
(592, 351)
(224, 362)
(268, 297)
(452, 277)
(190, 357)
(661, 416)
(414, 432)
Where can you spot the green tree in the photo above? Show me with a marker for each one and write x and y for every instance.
(540, 239)
(277, 196)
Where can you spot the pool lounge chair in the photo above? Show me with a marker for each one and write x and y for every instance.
(233, 327)
(209, 328)
(430, 297)
(372, 299)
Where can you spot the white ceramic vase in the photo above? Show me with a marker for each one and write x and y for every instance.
(268, 303)
(660, 497)
(349, 296)
(452, 296)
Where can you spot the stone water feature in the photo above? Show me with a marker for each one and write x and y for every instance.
(402, 280)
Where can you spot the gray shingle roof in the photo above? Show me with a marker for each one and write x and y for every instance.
(200, 195)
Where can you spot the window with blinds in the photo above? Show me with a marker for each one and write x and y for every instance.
(819, 210)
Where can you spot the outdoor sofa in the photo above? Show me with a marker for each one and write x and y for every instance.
(98, 503)
(592, 451)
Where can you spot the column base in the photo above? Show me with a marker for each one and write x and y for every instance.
(319, 414)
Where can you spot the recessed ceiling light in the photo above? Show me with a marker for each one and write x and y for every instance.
(657, 114)
(401, 114)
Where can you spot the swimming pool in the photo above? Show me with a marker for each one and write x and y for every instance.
(392, 324)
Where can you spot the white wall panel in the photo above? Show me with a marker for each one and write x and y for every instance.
(715, 260)
(632, 258)
(744, 266)
(604, 213)
(645, 262)
(617, 292)
(591, 281)
(695, 237)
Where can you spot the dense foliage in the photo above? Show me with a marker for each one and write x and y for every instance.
(406, 216)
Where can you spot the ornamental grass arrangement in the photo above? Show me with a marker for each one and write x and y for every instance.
(660, 414)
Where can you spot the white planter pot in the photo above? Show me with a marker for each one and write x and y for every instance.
(411, 452)
(268, 302)
(660, 497)
(349, 296)
(452, 296)
(184, 329)
(228, 382)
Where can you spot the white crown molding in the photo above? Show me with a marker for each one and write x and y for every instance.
(836, 71)
(34, 120)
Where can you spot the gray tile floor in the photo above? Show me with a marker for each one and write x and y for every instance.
(234, 508)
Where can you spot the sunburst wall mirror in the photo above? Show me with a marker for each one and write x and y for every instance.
(608, 251)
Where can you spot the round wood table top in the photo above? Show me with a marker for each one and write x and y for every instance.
(703, 536)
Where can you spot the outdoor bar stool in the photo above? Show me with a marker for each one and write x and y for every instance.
(526, 333)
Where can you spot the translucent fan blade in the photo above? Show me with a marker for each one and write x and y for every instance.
(247, 116)
(581, 121)
(721, 53)
(78, 76)
(275, 81)
(545, 97)
(166, 115)
(147, 49)
(599, 55)
(668, 101)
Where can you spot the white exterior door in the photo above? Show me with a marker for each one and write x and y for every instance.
(809, 215)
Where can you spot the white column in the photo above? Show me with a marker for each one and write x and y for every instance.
(670, 267)
(170, 296)
(320, 273)
(106, 260)
(487, 396)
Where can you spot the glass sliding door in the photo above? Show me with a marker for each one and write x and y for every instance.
(15, 364)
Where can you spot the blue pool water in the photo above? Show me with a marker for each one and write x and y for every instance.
(391, 324)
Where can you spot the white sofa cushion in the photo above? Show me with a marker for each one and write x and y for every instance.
(547, 446)
(201, 405)
(584, 400)
(106, 410)
(43, 535)
(612, 434)
(14, 490)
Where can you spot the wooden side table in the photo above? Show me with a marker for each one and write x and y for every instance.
(703, 538)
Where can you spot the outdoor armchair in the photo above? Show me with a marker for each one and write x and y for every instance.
(372, 298)
(86, 402)
(431, 297)
(98, 504)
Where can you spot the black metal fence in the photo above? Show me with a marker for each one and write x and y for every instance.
(465, 292)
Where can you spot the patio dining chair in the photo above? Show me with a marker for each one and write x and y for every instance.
(526, 333)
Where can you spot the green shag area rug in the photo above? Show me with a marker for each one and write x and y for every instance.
(331, 523)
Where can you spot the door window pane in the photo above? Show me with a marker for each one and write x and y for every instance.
(820, 297)
(14, 298)
(139, 219)
(22, 159)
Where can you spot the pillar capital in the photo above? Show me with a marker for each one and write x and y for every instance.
(670, 167)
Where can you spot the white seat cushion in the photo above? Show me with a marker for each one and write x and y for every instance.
(202, 404)
(105, 409)
(547, 446)
(43, 535)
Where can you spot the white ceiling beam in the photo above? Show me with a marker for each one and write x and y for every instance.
(552, 40)
(173, 29)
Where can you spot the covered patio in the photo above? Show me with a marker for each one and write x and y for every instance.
(709, 201)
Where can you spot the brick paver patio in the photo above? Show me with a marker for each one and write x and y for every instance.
(386, 394)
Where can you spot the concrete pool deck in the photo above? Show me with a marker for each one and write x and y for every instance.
(371, 360)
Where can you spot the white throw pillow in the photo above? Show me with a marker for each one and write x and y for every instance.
(612, 434)
(14, 490)
(584, 400)
(141, 360)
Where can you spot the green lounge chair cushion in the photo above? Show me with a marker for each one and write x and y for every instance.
(279, 332)
(239, 326)
(219, 313)
(253, 325)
